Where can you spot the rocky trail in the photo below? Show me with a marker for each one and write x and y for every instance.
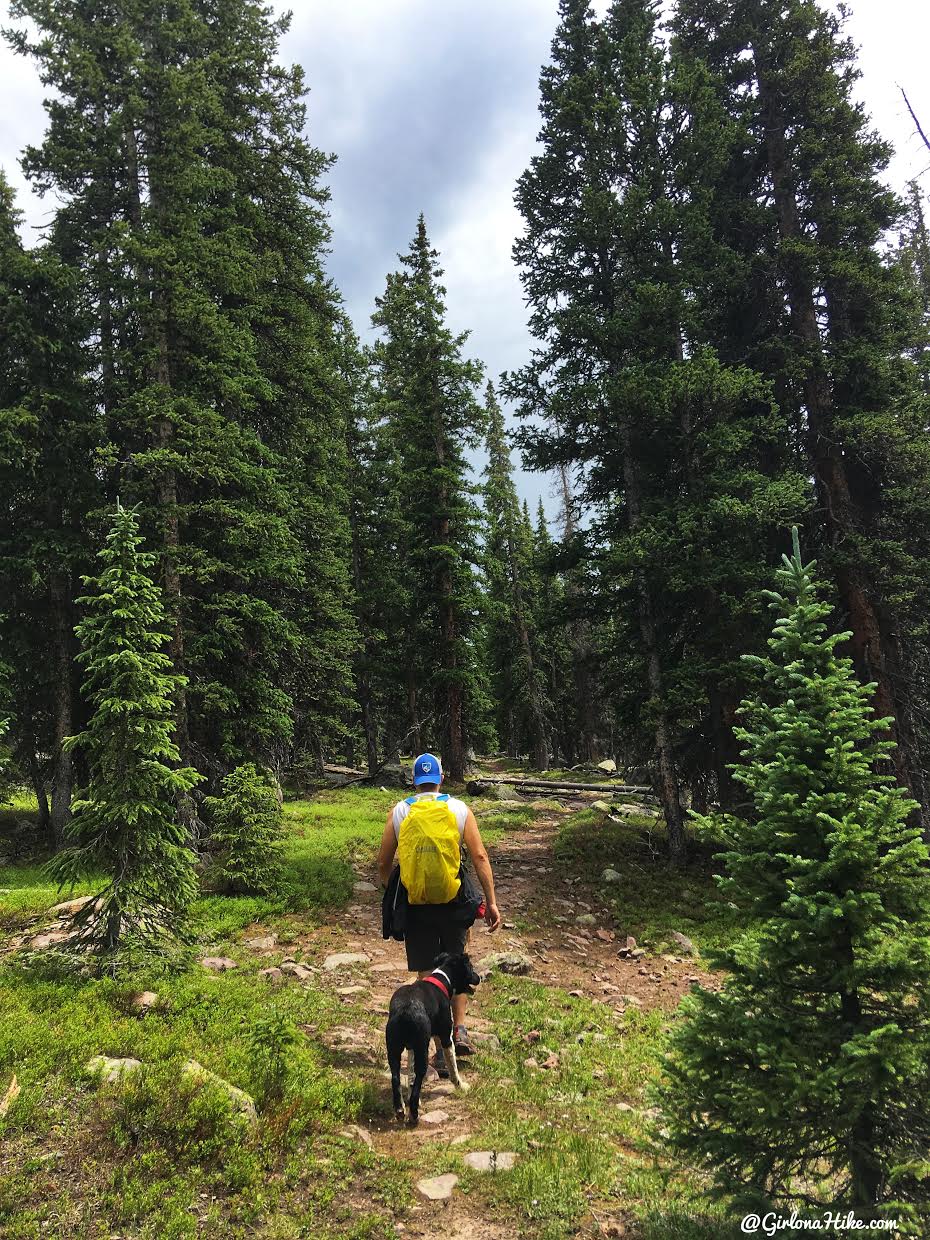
(557, 929)
(562, 930)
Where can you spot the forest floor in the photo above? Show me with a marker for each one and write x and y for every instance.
(565, 1054)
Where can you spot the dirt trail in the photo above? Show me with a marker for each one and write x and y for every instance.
(540, 905)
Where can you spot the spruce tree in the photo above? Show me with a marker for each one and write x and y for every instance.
(429, 417)
(246, 834)
(515, 675)
(666, 439)
(192, 210)
(804, 1078)
(49, 431)
(126, 824)
(808, 298)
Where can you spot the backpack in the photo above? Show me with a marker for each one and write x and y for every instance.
(429, 852)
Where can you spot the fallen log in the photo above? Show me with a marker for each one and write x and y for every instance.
(555, 785)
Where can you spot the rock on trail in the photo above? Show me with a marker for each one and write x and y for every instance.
(490, 1160)
(438, 1188)
(339, 960)
(218, 964)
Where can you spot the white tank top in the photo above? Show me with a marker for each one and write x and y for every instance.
(459, 808)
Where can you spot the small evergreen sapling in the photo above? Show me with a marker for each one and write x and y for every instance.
(126, 825)
(247, 832)
(806, 1076)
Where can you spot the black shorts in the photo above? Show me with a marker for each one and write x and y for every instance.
(432, 929)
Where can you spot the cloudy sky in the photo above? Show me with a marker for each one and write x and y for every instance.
(430, 105)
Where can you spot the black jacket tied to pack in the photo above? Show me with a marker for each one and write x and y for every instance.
(395, 905)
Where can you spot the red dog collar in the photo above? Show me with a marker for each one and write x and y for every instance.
(436, 982)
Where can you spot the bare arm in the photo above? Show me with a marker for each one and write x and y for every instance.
(387, 850)
(479, 856)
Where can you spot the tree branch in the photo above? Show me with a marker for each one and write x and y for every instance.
(923, 136)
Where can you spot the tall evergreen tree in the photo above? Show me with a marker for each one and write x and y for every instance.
(518, 686)
(829, 320)
(49, 430)
(430, 417)
(126, 825)
(553, 638)
(193, 211)
(804, 1077)
(670, 440)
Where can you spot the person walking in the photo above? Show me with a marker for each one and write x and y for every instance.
(427, 832)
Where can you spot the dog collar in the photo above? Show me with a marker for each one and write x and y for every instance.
(444, 987)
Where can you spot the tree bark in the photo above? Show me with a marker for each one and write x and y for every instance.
(62, 777)
(869, 644)
(155, 329)
(540, 748)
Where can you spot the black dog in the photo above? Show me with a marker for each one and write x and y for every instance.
(418, 1012)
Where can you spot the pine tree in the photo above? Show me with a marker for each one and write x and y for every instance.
(668, 439)
(127, 825)
(246, 834)
(805, 1076)
(515, 677)
(429, 417)
(192, 210)
(829, 319)
(49, 430)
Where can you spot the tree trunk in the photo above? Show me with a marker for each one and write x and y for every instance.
(368, 724)
(156, 328)
(362, 678)
(836, 501)
(62, 634)
(413, 709)
(454, 756)
(37, 779)
(668, 785)
(667, 781)
(584, 747)
(539, 754)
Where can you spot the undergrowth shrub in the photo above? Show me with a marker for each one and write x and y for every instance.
(271, 1041)
(189, 1120)
(247, 833)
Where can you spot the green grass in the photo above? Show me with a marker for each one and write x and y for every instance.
(651, 900)
(579, 1151)
(159, 1158)
(152, 1160)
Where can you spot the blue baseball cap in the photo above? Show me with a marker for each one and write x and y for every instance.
(427, 769)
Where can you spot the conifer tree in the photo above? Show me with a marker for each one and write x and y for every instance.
(49, 429)
(246, 834)
(667, 439)
(429, 416)
(126, 825)
(810, 301)
(192, 210)
(810, 1065)
(515, 675)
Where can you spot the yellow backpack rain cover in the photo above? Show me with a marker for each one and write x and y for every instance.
(429, 852)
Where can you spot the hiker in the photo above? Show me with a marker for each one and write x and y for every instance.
(426, 832)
